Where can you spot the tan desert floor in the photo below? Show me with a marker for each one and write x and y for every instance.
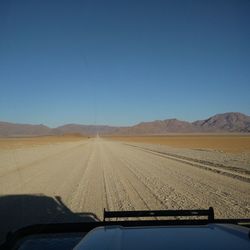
(65, 181)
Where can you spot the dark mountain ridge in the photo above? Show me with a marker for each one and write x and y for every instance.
(220, 123)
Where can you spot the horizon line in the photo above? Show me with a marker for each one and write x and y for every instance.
(109, 125)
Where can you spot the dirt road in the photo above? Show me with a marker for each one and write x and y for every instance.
(87, 176)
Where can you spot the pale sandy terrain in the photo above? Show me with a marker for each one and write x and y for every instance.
(12, 143)
(58, 181)
(229, 143)
(215, 149)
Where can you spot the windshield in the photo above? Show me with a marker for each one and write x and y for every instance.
(123, 105)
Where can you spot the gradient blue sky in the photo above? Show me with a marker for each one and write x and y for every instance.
(121, 62)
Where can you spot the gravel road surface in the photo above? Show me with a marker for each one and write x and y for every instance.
(67, 181)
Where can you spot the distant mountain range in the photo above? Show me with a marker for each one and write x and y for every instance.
(220, 123)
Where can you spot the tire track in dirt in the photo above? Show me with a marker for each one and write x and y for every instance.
(127, 186)
(105, 174)
(161, 194)
(145, 193)
(190, 191)
(238, 173)
(116, 195)
(34, 163)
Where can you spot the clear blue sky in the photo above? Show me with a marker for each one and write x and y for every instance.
(121, 62)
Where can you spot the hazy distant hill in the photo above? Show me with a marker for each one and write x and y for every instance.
(227, 122)
(84, 129)
(14, 129)
(159, 127)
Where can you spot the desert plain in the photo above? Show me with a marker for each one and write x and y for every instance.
(67, 178)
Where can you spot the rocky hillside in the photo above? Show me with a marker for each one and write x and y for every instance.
(228, 122)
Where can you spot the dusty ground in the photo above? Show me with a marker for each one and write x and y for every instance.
(12, 143)
(235, 143)
(231, 151)
(66, 181)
